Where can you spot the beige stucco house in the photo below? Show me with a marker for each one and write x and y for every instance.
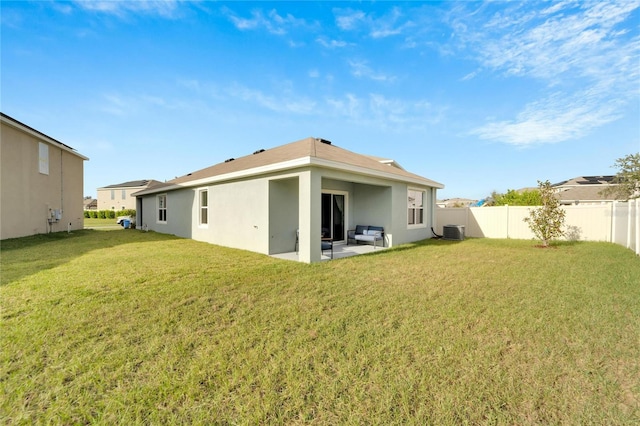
(41, 182)
(119, 196)
(257, 202)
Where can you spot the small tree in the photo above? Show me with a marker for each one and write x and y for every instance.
(626, 183)
(546, 222)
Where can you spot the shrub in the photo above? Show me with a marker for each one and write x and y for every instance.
(518, 198)
(87, 214)
(546, 221)
(127, 212)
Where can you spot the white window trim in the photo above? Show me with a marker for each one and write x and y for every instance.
(200, 224)
(158, 208)
(43, 158)
(424, 208)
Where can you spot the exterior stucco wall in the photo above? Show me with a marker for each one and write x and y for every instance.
(180, 215)
(262, 214)
(404, 232)
(27, 194)
(283, 214)
(118, 202)
(237, 214)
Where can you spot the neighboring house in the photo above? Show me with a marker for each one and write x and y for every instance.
(41, 182)
(257, 202)
(90, 203)
(457, 202)
(585, 190)
(118, 197)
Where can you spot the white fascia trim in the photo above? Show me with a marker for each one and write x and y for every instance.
(393, 163)
(42, 137)
(374, 173)
(285, 165)
(292, 164)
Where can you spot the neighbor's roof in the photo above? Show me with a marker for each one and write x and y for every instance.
(4, 118)
(585, 188)
(134, 184)
(586, 180)
(306, 152)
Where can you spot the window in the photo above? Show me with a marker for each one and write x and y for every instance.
(204, 207)
(43, 158)
(162, 208)
(416, 207)
(124, 194)
(113, 194)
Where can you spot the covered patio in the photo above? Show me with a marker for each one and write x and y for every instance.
(339, 251)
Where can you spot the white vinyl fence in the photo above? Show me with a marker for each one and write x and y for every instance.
(617, 222)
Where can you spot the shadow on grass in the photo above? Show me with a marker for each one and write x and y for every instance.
(412, 246)
(25, 256)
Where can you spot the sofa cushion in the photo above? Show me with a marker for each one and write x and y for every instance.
(372, 232)
(360, 229)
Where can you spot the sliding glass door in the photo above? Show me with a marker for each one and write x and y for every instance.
(334, 216)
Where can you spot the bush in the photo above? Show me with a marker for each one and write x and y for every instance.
(87, 214)
(127, 212)
(546, 221)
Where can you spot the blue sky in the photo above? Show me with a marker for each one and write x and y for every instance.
(478, 96)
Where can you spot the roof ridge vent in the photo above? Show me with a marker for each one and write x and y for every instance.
(323, 141)
(229, 160)
(258, 151)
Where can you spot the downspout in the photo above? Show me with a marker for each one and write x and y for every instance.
(61, 184)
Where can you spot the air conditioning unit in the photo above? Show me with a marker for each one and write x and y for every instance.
(453, 232)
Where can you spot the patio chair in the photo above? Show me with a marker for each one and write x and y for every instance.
(325, 244)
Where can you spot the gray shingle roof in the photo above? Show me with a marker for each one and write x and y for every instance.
(133, 184)
(308, 147)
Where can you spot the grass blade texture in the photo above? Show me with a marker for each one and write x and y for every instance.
(128, 327)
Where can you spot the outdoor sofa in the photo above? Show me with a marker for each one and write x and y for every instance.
(366, 233)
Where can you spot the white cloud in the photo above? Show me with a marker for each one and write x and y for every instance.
(331, 44)
(391, 24)
(165, 8)
(554, 119)
(133, 104)
(272, 22)
(581, 51)
(349, 19)
(360, 69)
(285, 102)
(378, 111)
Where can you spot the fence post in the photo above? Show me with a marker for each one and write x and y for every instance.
(637, 228)
(507, 207)
(612, 238)
(629, 224)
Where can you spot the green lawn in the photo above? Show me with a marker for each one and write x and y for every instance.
(127, 327)
(100, 223)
